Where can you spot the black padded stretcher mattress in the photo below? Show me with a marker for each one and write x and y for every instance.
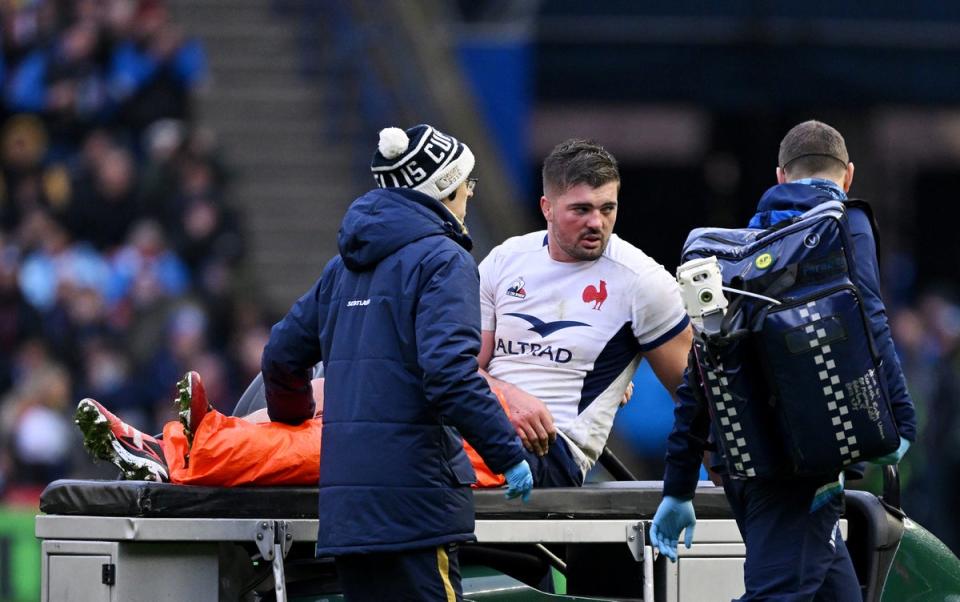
(156, 500)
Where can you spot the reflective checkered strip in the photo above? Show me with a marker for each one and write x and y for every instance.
(832, 389)
(735, 444)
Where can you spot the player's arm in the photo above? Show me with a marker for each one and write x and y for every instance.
(662, 326)
(669, 359)
(529, 416)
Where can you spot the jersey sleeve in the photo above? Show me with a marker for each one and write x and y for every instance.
(488, 292)
(658, 313)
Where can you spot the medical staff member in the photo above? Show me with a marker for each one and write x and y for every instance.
(790, 525)
(395, 319)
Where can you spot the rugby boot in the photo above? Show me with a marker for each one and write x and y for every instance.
(139, 456)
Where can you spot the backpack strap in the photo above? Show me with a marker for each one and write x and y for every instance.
(697, 389)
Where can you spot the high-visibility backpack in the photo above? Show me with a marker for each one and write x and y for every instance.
(791, 374)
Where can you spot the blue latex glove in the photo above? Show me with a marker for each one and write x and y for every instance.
(519, 481)
(673, 515)
(894, 457)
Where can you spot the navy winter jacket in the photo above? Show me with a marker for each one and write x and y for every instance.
(686, 442)
(395, 318)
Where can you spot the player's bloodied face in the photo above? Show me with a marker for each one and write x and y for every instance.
(580, 221)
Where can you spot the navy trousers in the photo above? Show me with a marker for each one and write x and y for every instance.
(426, 574)
(793, 554)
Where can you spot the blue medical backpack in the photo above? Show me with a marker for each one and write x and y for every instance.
(795, 387)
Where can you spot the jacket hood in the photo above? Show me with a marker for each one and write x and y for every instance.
(784, 201)
(383, 220)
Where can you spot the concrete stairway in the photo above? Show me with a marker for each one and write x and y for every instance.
(291, 182)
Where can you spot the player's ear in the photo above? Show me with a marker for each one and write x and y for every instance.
(848, 177)
(546, 207)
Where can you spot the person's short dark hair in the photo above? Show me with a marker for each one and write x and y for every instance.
(812, 147)
(578, 161)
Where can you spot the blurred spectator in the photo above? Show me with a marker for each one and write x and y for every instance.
(163, 143)
(79, 316)
(210, 243)
(184, 345)
(108, 376)
(930, 347)
(145, 269)
(59, 265)
(936, 477)
(183, 187)
(153, 71)
(65, 83)
(104, 213)
(26, 26)
(198, 175)
(67, 284)
(28, 182)
(36, 429)
(97, 143)
(19, 321)
(28, 358)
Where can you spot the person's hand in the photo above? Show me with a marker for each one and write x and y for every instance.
(532, 419)
(519, 481)
(627, 394)
(673, 515)
(894, 457)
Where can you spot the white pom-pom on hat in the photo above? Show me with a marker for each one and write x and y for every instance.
(393, 142)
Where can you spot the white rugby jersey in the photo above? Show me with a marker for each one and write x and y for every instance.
(571, 334)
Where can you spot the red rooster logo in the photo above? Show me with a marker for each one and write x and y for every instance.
(597, 297)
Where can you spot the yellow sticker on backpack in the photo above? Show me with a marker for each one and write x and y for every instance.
(764, 261)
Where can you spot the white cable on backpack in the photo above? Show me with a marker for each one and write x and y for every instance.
(754, 295)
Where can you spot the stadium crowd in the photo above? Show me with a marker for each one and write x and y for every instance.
(120, 255)
(927, 332)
